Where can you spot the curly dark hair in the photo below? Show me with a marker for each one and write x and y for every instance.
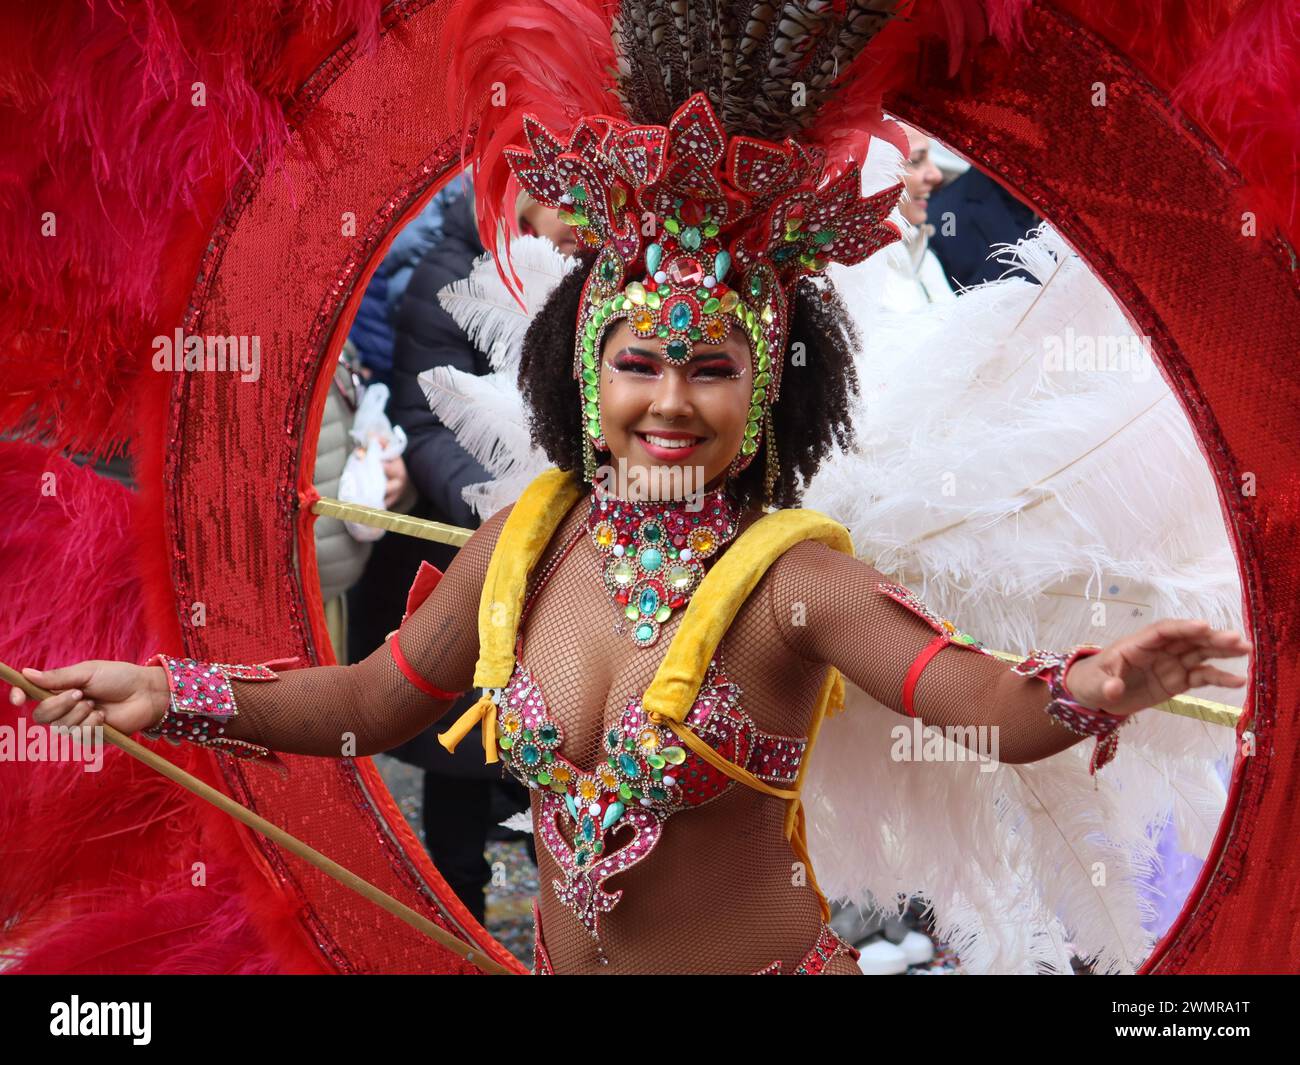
(810, 418)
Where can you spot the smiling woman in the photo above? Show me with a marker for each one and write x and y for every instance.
(642, 393)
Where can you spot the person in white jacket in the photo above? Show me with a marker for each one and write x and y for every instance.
(914, 276)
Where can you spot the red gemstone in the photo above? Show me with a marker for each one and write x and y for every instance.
(692, 213)
(685, 272)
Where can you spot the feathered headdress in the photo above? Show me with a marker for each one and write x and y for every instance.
(690, 154)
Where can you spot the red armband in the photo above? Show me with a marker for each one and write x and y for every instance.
(948, 633)
(410, 674)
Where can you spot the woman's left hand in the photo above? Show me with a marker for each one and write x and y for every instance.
(1164, 659)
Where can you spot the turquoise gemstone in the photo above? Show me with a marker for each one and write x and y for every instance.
(588, 828)
(529, 754)
(721, 264)
(644, 632)
(689, 238)
(629, 766)
(651, 559)
(612, 813)
(582, 856)
(573, 809)
(653, 257)
(680, 316)
(649, 601)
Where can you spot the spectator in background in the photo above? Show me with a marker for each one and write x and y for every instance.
(971, 215)
(372, 330)
(341, 559)
(439, 468)
(914, 277)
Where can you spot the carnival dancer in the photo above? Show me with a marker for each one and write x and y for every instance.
(657, 628)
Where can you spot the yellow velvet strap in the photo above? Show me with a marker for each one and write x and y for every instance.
(712, 609)
(715, 603)
(524, 535)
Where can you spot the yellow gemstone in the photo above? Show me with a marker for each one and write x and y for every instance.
(730, 300)
(701, 541)
(767, 315)
(604, 534)
(643, 321)
(649, 739)
(715, 329)
(511, 721)
(619, 197)
(560, 773)
(635, 291)
(587, 789)
(607, 778)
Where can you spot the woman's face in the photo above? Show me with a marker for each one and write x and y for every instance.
(657, 413)
(920, 178)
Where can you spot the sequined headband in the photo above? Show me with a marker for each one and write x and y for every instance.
(697, 230)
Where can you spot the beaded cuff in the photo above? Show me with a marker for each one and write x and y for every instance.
(1051, 666)
(203, 701)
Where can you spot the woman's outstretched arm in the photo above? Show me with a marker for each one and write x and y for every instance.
(834, 609)
(332, 711)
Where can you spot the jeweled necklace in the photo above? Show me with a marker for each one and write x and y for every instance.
(653, 552)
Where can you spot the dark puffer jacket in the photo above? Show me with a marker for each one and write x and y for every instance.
(428, 336)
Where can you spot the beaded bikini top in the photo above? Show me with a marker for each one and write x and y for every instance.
(645, 777)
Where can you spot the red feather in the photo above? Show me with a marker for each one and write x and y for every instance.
(95, 876)
(553, 59)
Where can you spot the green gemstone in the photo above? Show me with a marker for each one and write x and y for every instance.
(672, 225)
(674, 755)
(678, 349)
(695, 333)
(712, 304)
(631, 612)
(657, 761)
(756, 285)
(624, 791)
(748, 446)
(663, 613)
(589, 375)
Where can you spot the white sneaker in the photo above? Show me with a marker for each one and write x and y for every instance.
(917, 948)
(882, 958)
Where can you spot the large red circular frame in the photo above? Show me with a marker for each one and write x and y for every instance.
(1145, 198)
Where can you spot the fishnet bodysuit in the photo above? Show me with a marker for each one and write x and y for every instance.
(721, 891)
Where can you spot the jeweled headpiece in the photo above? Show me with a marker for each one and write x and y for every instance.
(696, 228)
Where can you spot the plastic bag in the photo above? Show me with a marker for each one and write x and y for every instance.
(377, 440)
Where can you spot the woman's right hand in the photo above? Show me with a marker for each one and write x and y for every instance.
(126, 696)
